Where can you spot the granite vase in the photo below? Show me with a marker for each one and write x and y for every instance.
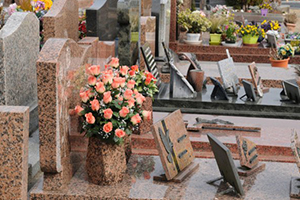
(105, 163)
(145, 126)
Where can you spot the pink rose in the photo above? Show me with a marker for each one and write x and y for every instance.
(146, 115)
(90, 118)
(108, 77)
(107, 127)
(120, 98)
(115, 84)
(92, 80)
(131, 102)
(108, 113)
(135, 68)
(140, 98)
(136, 119)
(100, 87)
(128, 94)
(124, 112)
(107, 97)
(131, 84)
(84, 96)
(78, 110)
(95, 105)
(94, 70)
(114, 62)
(132, 73)
(124, 70)
(122, 82)
(120, 133)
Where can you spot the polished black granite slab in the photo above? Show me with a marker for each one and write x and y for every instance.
(269, 106)
(273, 183)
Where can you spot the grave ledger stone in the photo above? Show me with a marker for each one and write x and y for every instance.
(19, 49)
(14, 128)
(101, 20)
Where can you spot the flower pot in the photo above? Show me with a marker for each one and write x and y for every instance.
(196, 77)
(249, 39)
(193, 36)
(145, 126)
(105, 163)
(264, 12)
(215, 39)
(290, 27)
(280, 63)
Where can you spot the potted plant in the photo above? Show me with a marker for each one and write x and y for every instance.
(290, 21)
(194, 22)
(230, 35)
(216, 29)
(281, 57)
(111, 109)
(293, 38)
(250, 34)
(265, 7)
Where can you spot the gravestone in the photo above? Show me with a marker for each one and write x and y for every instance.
(129, 31)
(62, 20)
(58, 62)
(101, 20)
(19, 47)
(14, 129)
(228, 74)
(173, 144)
(272, 40)
(256, 80)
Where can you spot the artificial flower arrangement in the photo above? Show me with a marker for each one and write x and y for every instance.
(284, 52)
(193, 22)
(270, 25)
(39, 7)
(266, 5)
(82, 31)
(230, 32)
(111, 103)
(145, 83)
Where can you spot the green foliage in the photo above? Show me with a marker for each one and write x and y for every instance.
(283, 52)
(216, 24)
(193, 22)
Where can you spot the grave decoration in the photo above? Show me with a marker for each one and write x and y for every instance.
(230, 34)
(256, 80)
(250, 34)
(291, 90)
(295, 181)
(272, 40)
(174, 147)
(228, 74)
(290, 21)
(249, 159)
(82, 26)
(280, 57)
(249, 90)
(111, 109)
(265, 7)
(219, 92)
(226, 165)
(39, 8)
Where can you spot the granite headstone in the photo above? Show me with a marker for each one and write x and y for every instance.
(19, 49)
(101, 20)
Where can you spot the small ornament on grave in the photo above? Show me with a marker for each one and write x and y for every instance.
(111, 109)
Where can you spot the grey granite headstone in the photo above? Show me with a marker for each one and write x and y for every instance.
(101, 20)
(19, 49)
(129, 31)
(228, 74)
(272, 40)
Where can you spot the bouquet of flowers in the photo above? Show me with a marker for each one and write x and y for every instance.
(82, 26)
(193, 22)
(266, 5)
(282, 53)
(270, 25)
(145, 83)
(111, 103)
(230, 32)
(251, 30)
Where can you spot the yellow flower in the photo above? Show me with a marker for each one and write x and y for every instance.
(283, 52)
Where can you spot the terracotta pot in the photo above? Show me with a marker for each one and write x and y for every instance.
(146, 125)
(280, 63)
(290, 27)
(196, 77)
(105, 163)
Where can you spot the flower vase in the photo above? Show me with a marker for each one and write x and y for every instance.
(145, 126)
(264, 12)
(280, 63)
(105, 163)
(250, 40)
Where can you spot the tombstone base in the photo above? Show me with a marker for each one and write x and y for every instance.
(181, 176)
(295, 188)
(242, 171)
(33, 118)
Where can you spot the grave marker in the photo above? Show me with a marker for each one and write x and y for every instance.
(256, 80)
(174, 147)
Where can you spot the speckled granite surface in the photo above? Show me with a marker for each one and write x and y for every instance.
(14, 132)
(138, 184)
(19, 49)
(61, 21)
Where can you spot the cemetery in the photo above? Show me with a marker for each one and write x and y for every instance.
(149, 99)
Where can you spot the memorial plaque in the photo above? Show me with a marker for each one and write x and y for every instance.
(250, 94)
(173, 144)
(228, 74)
(219, 92)
(248, 152)
(272, 40)
(292, 91)
(256, 79)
